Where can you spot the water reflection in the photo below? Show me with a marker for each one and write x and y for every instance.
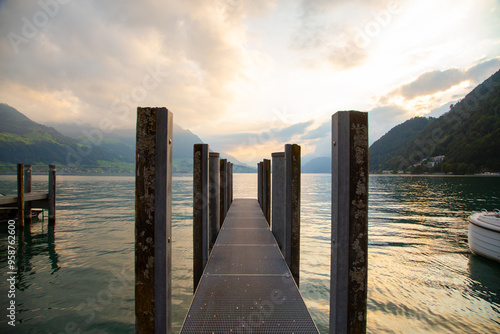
(31, 245)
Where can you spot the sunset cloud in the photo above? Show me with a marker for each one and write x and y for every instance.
(237, 69)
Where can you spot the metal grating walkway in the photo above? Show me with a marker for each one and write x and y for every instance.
(246, 286)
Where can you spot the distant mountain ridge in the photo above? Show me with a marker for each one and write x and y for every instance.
(465, 140)
(80, 149)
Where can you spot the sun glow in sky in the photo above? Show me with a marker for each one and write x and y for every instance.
(246, 76)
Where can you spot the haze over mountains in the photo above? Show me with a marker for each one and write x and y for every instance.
(81, 148)
(464, 140)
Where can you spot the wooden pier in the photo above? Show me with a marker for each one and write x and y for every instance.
(27, 201)
(246, 252)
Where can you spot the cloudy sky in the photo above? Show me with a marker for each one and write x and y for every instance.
(246, 76)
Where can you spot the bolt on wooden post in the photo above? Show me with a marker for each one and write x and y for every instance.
(349, 250)
(292, 209)
(200, 211)
(153, 221)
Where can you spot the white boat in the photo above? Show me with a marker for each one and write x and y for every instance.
(484, 234)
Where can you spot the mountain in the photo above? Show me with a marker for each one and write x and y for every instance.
(25, 141)
(462, 141)
(318, 165)
(79, 148)
(384, 150)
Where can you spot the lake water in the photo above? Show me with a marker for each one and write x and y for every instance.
(422, 276)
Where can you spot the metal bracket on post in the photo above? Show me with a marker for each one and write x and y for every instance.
(349, 251)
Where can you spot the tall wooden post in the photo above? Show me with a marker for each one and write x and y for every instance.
(349, 256)
(278, 198)
(153, 221)
(214, 198)
(266, 189)
(20, 194)
(27, 189)
(223, 188)
(259, 184)
(52, 195)
(228, 187)
(292, 212)
(231, 187)
(200, 211)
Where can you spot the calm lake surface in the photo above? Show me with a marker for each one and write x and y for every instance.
(422, 276)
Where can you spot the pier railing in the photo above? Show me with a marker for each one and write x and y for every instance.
(279, 199)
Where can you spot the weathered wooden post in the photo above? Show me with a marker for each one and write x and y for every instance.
(214, 198)
(223, 187)
(266, 189)
(292, 211)
(153, 221)
(20, 194)
(278, 198)
(228, 186)
(349, 257)
(52, 195)
(259, 184)
(200, 211)
(27, 189)
(231, 188)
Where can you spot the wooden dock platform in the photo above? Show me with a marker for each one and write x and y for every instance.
(246, 285)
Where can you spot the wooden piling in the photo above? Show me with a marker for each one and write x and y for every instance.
(231, 184)
(228, 187)
(214, 198)
(223, 188)
(278, 198)
(259, 184)
(266, 189)
(27, 189)
(349, 251)
(20, 195)
(292, 212)
(153, 221)
(200, 211)
(52, 195)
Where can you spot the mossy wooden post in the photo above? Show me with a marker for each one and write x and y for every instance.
(231, 186)
(153, 221)
(278, 198)
(52, 195)
(349, 251)
(214, 197)
(266, 189)
(200, 211)
(20, 195)
(223, 188)
(259, 184)
(292, 211)
(27, 189)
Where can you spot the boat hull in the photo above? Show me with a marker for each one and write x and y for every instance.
(484, 239)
